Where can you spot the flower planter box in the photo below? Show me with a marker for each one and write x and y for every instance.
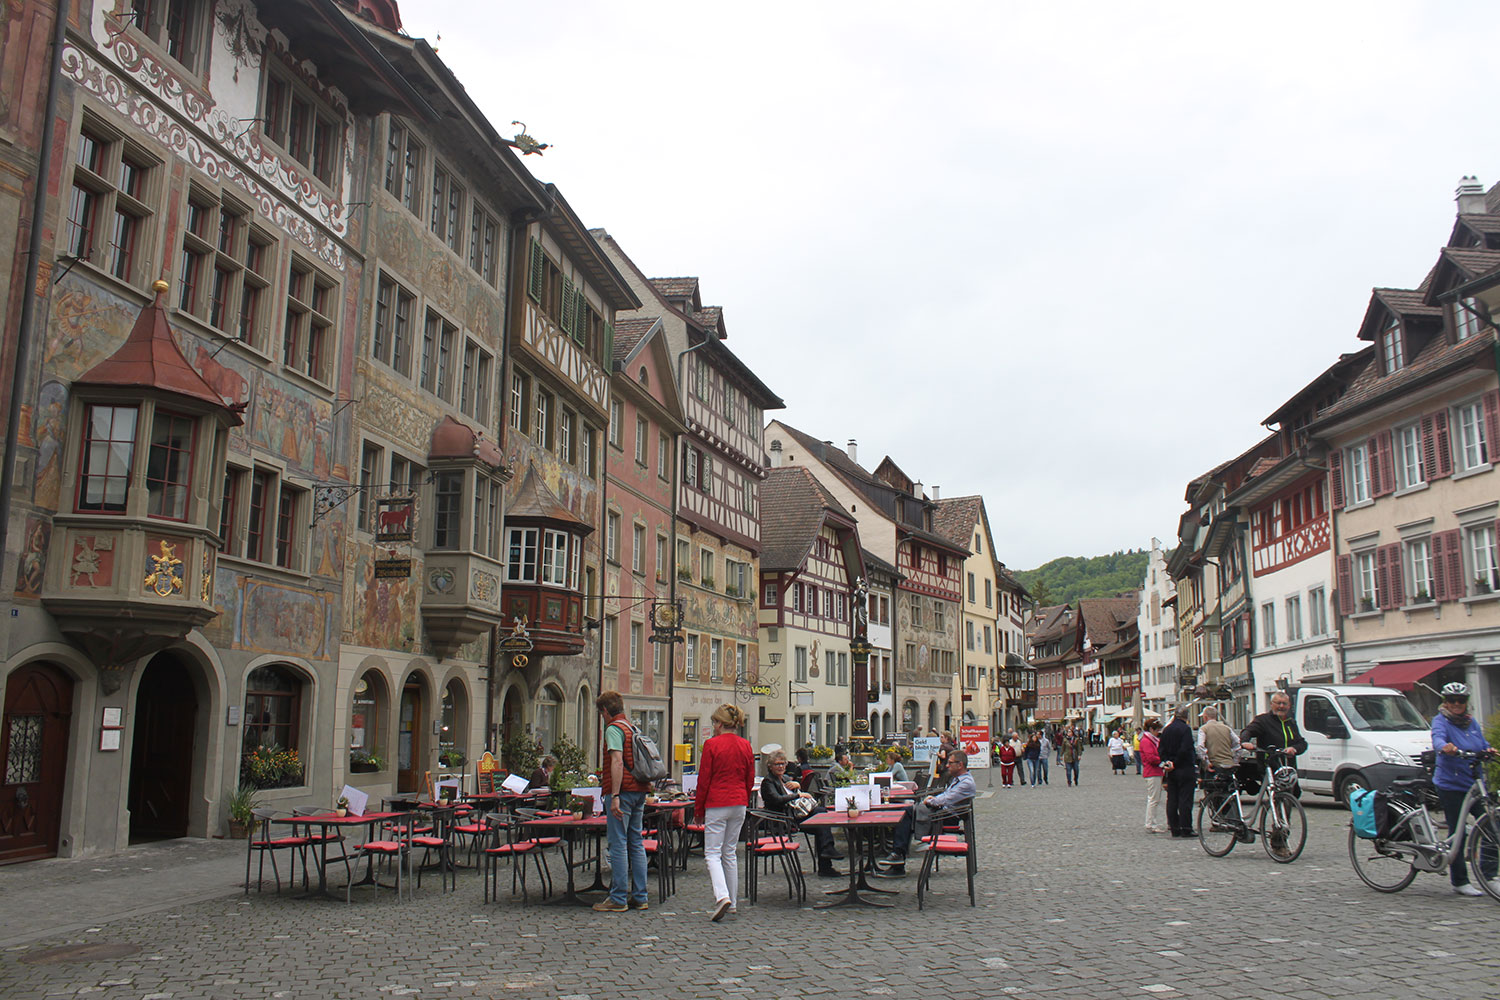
(362, 767)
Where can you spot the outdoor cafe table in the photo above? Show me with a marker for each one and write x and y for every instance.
(571, 829)
(862, 832)
(324, 821)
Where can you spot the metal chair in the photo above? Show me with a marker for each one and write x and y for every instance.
(262, 842)
(504, 843)
(395, 848)
(771, 837)
(959, 844)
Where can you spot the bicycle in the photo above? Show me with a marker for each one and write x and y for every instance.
(1223, 822)
(1411, 844)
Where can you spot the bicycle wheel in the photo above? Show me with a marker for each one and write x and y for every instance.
(1218, 825)
(1484, 852)
(1283, 828)
(1381, 872)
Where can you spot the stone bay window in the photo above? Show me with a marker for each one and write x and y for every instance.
(543, 575)
(463, 555)
(131, 567)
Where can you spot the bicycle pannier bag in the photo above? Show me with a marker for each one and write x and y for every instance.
(1370, 813)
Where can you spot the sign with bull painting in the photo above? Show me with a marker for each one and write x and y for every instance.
(395, 518)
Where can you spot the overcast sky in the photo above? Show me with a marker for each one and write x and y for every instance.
(1066, 256)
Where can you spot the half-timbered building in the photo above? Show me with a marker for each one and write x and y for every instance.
(645, 419)
(720, 466)
(880, 687)
(895, 520)
(810, 564)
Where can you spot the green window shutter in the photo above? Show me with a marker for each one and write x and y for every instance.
(609, 345)
(581, 317)
(534, 284)
(567, 304)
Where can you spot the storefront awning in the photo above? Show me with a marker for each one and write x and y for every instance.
(1403, 674)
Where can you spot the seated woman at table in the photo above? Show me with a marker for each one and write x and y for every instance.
(778, 792)
(893, 764)
(542, 776)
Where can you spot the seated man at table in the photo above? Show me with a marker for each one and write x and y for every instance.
(959, 791)
(841, 771)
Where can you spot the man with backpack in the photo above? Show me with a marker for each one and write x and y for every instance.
(625, 807)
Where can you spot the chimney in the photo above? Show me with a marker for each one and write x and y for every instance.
(776, 454)
(1470, 196)
(935, 490)
(853, 455)
(916, 489)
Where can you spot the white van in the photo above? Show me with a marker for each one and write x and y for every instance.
(1349, 726)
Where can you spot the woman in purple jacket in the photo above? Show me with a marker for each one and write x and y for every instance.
(1454, 729)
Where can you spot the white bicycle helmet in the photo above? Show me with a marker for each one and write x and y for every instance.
(1455, 689)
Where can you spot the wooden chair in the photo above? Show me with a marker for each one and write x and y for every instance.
(944, 843)
(263, 842)
(771, 837)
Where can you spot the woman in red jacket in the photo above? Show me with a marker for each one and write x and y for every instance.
(726, 774)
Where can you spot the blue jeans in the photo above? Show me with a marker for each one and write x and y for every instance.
(1071, 772)
(1039, 770)
(627, 853)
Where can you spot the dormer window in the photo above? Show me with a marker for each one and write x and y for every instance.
(1390, 347)
(1466, 319)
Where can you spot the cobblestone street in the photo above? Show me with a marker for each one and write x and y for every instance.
(1075, 900)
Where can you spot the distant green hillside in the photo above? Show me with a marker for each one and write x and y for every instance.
(1068, 578)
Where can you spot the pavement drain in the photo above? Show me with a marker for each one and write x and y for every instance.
(96, 952)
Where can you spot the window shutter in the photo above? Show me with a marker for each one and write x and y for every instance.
(706, 474)
(581, 319)
(1395, 576)
(1387, 481)
(1491, 403)
(1375, 464)
(567, 306)
(1429, 448)
(1441, 443)
(1382, 578)
(1457, 585)
(1346, 585)
(609, 344)
(690, 466)
(534, 282)
(1439, 566)
(1336, 478)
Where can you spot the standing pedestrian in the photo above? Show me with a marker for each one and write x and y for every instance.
(1007, 764)
(1072, 752)
(1116, 754)
(1019, 748)
(1454, 729)
(625, 805)
(726, 775)
(1061, 736)
(1150, 760)
(1029, 754)
(1179, 761)
(1136, 746)
(1044, 752)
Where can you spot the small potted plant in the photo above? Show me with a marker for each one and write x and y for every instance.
(365, 761)
(1481, 585)
(341, 807)
(1366, 604)
(242, 803)
(852, 807)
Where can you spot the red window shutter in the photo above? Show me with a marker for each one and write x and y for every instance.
(1457, 585)
(1491, 402)
(1346, 585)
(1375, 462)
(1395, 575)
(1444, 447)
(1387, 483)
(1336, 478)
(1439, 566)
(1382, 578)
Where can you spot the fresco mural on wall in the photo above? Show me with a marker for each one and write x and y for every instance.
(85, 325)
(48, 429)
(30, 567)
(384, 610)
(293, 424)
(280, 619)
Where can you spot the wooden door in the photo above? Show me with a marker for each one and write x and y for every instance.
(161, 757)
(33, 761)
(409, 755)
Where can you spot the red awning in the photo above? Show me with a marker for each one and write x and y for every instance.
(1403, 674)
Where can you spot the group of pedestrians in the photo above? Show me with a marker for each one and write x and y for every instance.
(1030, 757)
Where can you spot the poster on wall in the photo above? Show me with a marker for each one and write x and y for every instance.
(975, 741)
(924, 748)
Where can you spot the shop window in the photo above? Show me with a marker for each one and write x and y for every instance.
(273, 708)
(366, 722)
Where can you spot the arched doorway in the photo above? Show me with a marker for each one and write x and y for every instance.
(411, 747)
(33, 760)
(512, 715)
(161, 751)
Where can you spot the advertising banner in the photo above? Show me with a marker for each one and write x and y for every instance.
(975, 741)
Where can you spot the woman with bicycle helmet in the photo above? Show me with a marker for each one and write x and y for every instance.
(1454, 729)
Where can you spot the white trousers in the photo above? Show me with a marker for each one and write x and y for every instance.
(1153, 802)
(721, 843)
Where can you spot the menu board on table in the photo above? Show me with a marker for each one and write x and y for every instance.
(357, 800)
(882, 779)
(690, 784)
(859, 795)
(596, 794)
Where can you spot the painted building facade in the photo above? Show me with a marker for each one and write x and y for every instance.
(1156, 622)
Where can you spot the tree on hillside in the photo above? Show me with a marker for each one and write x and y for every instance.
(1070, 578)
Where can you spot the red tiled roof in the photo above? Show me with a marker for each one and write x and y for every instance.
(676, 288)
(628, 333)
(535, 500)
(793, 505)
(956, 517)
(150, 357)
(1369, 385)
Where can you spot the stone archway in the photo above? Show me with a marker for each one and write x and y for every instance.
(164, 727)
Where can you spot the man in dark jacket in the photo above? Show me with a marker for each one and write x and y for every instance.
(1276, 730)
(1180, 764)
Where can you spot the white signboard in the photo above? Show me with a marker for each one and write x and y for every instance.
(859, 795)
(924, 748)
(356, 798)
(514, 783)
